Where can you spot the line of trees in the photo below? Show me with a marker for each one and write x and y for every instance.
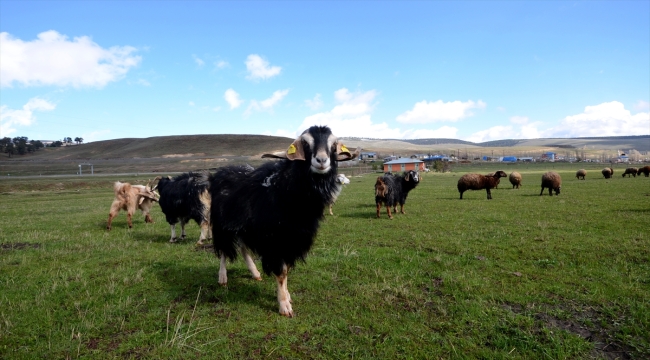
(21, 145)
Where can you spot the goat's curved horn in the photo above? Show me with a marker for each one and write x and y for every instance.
(153, 181)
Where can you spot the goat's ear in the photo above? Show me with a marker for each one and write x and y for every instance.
(408, 176)
(343, 154)
(294, 152)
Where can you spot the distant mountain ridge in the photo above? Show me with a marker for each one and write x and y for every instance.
(220, 145)
(637, 142)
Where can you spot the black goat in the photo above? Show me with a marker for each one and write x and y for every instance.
(275, 210)
(183, 198)
(393, 189)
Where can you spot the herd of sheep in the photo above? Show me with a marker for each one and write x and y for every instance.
(274, 211)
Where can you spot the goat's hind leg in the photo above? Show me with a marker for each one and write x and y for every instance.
(223, 272)
(250, 264)
(173, 236)
(205, 232)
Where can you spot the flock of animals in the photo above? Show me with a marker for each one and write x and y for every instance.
(274, 211)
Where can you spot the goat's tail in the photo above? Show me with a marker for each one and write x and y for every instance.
(121, 188)
(380, 187)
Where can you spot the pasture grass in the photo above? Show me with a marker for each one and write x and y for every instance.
(521, 276)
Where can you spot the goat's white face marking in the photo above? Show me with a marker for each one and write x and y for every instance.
(320, 159)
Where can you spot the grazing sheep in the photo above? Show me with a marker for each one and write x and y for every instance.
(479, 182)
(552, 181)
(645, 170)
(340, 181)
(393, 189)
(129, 198)
(630, 171)
(275, 210)
(608, 172)
(515, 179)
(581, 174)
(183, 198)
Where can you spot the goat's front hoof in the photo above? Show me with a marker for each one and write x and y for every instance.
(258, 278)
(199, 243)
(285, 309)
(173, 240)
(108, 228)
(390, 217)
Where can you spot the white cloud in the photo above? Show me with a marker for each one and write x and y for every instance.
(314, 103)
(232, 98)
(445, 132)
(520, 120)
(606, 119)
(53, 59)
(259, 68)
(221, 64)
(352, 117)
(10, 118)
(198, 61)
(426, 112)
(267, 104)
(642, 105)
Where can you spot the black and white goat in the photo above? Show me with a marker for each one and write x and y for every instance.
(183, 198)
(341, 180)
(274, 211)
(393, 189)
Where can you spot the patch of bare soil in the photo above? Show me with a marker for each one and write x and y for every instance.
(19, 246)
(587, 323)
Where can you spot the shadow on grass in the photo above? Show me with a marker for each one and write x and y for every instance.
(183, 284)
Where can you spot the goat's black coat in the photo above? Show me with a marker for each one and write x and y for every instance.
(397, 188)
(180, 197)
(273, 210)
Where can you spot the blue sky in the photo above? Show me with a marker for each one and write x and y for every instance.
(471, 70)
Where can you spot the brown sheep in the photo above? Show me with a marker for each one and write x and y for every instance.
(129, 198)
(498, 180)
(630, 171)
(645, 170)
(552, 181)
(581, 174)
(479, 182)
(515, 179)
(608, 172)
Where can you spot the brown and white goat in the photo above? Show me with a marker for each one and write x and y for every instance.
(129, 198)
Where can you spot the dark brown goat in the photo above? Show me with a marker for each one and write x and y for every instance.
(479, 182)
(645, 170)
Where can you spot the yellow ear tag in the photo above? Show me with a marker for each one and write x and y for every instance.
(292, 149)
(343, 148)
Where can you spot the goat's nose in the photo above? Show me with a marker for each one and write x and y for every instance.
(321, 159)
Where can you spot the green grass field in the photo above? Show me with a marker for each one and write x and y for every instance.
(521, 276)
